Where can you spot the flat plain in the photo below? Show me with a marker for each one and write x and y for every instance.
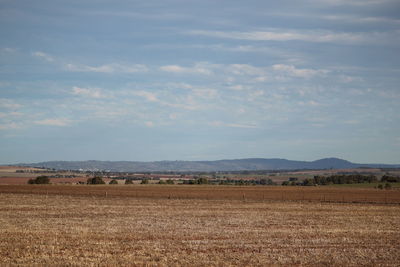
(156, 225)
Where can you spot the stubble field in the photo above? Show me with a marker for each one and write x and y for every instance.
(45, 227)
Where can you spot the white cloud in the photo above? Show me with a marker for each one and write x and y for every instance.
(54, 122)
(10, 114)
(8, 50)
(43, 55)
(149, 96)
(238, 87)
(233, 125)
(245, 69)
(310, 103)
(8, 104)
(307, 36)
(149, 124)
(9, 126)
(205, 93)
(352, 2)
(87, 92)
(175, 101)
(198, 68)
(108, 68)
(352, 122)
(293, 71)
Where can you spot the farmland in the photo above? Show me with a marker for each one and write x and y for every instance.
(181, 225)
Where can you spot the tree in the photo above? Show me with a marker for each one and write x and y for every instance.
(39, 180)
(144, 181)
(95, 180)
(388, 186)
(113, 181)
(128, 181)
(202, 181)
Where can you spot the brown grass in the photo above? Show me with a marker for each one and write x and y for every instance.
(94, 230)
(246, 193)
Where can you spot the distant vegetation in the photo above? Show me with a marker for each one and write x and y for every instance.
(344, 179)
(113, 181)
(390, 179)
(39, 180)
(128, 181)
(95, 180)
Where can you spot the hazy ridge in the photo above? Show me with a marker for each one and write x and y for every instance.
(250, 164)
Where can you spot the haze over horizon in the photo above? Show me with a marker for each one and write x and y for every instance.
(199, 80)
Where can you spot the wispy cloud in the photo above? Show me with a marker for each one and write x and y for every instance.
(307, 36)
(149, 123)
(8, 50)
(88, 92)
(61, 122)
(108, 68)
(9, 104)
(198, 68)
(297, 72)
(352, 2)
(10, 114)
(43, 55)
(9, 126)
(233, 125)
(149, 96)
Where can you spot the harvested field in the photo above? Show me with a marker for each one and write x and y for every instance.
(91, 229)
(246, 193)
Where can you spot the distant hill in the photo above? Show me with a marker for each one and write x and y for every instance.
(251, 164)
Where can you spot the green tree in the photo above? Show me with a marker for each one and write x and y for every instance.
(113, 181)
(144, 181)
(40, 180)
(202, 181)
(388, 186)
(95, 180)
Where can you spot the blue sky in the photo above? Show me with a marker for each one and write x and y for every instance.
(199, 80)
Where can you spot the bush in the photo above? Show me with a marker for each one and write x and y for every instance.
(161, 182)
(388, 186)
(201, 181)
(144, 181)
(39, 180)
(169, 181)
(128, 181)
(390, 179)
(113, 181)
(95, 180)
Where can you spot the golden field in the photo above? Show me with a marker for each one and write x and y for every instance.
(49, 226)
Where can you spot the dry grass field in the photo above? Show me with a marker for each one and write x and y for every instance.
(210, 192)
(80, 225)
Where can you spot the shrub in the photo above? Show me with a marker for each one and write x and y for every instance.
(95, 180)
(380, 186)
(128, 181)
(169, 181)
(161, 182)
(144, 181)
(39, 180)
(113, 181)
(388, 186)
(202, 181)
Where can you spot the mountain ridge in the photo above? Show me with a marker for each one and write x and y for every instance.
(246, 164)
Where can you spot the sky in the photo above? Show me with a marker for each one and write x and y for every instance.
(199, 80)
